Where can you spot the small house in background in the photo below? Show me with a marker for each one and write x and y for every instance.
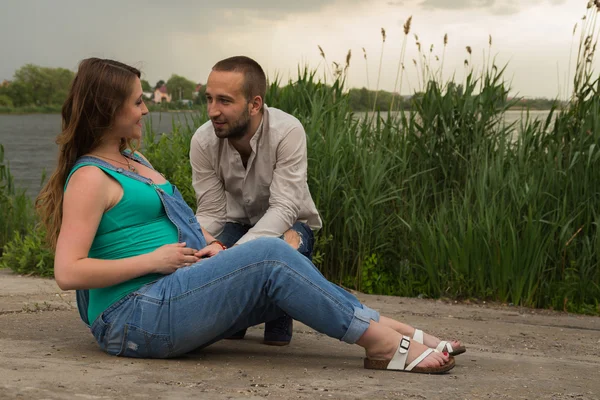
(198, 91)
(5, 83)
(161, 94)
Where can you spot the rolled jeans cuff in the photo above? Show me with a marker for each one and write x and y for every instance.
(360, 323)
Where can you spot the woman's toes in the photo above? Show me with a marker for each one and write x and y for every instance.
(444, 356)
(439, 360)
(433, 360)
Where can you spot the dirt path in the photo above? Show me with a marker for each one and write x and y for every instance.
(46, 352)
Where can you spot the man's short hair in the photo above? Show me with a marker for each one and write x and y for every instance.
(255, 81)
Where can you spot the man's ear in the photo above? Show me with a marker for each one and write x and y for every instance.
(255, 105)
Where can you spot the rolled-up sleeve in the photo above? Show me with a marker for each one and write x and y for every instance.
(211, 211)
(287, 187)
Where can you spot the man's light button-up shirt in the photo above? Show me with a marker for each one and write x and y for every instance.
(271, 193)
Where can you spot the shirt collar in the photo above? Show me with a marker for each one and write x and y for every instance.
(257, 134)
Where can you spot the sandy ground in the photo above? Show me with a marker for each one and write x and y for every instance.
(47, 353)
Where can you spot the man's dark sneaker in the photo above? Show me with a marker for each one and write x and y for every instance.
(279, 332)
(239, 335)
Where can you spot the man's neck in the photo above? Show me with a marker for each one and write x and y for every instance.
(242, 145)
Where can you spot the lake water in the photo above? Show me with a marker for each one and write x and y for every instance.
(29, 142)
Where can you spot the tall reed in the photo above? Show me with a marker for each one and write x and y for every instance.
(16, 213)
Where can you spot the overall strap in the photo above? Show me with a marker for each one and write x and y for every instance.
(101, 163)
(138, 158)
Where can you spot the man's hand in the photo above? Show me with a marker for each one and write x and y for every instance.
(210, 250)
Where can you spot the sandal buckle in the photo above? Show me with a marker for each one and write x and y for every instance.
(404, 345)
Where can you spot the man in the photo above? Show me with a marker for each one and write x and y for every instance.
(249, 170)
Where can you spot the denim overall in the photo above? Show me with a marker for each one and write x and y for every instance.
(258, 281)
(177, 210)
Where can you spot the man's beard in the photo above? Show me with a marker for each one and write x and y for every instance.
(237, 130)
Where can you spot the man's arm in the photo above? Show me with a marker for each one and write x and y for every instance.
(211, 211)
(287, 188)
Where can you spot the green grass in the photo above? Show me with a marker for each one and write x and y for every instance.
(16, 213)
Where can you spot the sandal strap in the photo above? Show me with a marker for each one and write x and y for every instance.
(398, 362)
(418, 336)
(444, 344)
(417, 360)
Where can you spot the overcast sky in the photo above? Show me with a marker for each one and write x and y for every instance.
(187, 37)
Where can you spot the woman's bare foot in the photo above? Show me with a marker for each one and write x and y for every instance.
(433, 360)
(381, 343)
(407, 330)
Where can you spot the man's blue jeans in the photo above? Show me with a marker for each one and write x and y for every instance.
(242, 286)
(232, 232)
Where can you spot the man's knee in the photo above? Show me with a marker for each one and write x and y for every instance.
(292, 238)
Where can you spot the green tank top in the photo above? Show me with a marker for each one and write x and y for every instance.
(136, 225)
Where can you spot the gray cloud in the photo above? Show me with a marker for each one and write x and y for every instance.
(456, 4)
(59, 33)
(497, 7)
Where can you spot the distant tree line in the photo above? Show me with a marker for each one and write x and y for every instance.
(539, 104)
(34, 86)
(364, 100)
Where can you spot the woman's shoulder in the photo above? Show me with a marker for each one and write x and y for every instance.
(89, 188)
(88, 174)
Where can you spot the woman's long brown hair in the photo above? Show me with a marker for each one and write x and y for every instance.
(97, 93)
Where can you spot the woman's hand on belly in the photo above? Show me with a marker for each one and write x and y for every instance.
(170, 257)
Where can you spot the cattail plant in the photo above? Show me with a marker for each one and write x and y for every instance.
(348, 58)
(380, 64)
(366, 67)
(443, 57)
(568, 77)
(489, 51)
(430, 75)
(346, 67)
(400, 71)
(586, 49)
(420, 69)
(328, 70)
(367, 72)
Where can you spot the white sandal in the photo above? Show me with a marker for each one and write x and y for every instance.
(442, 346)
(398, 362)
